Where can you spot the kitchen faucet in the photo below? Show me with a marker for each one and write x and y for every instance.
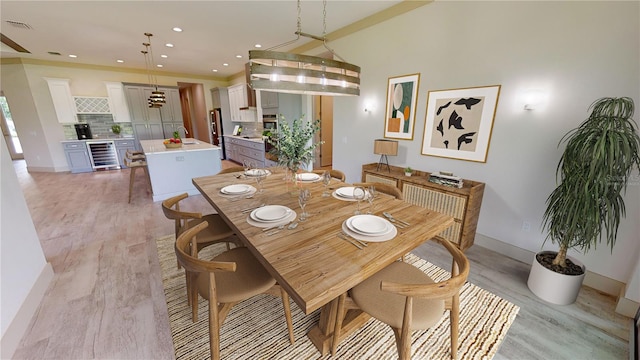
(183, 128)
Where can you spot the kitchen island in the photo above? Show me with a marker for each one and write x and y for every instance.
(171, 170)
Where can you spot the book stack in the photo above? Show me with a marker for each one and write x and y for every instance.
(447, 179)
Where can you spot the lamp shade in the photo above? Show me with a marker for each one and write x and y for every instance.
(385, 147)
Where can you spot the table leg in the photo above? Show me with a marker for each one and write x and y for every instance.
(321, 335)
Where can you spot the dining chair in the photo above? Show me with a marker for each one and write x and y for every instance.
(232, 169)
(336, 174)
(383, 188)
(405, 298)
(218, 231)
(224, 281)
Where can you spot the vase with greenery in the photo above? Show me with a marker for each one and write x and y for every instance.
(292, 144)
(594, 171)
(116, 129)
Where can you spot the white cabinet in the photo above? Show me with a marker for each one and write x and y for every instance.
(268, 99)
(63, 101)
(118, 102)
(237, 100)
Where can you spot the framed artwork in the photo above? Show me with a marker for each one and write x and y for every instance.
(458, 122)
(400, 116)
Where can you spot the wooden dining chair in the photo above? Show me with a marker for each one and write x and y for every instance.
(383, 188)
(231, 170)
(405, 298)
(217, 231)
(226, 280)
(336, 174)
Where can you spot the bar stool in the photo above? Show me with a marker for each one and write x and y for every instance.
(135, 160)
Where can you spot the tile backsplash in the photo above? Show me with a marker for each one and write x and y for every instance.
(100, 125)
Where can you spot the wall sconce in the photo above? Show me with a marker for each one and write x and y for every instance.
(383, 148)
(532, 99)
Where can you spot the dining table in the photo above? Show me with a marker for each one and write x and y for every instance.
(311, 260)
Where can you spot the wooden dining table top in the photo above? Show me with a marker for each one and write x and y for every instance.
(311, 262)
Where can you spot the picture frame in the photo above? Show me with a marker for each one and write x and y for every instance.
(459, 122)
(400, 114)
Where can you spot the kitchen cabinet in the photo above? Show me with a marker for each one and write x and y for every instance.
(240, 150)
(463, 204)
(237, 99)
(268, 99)
(153, 123)
(137, 100)
(148, 131)
(77, 156)
(171, 112)
(121, 147)
(63, 102)
(118, 102)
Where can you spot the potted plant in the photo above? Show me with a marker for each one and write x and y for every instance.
(594, 170)
(116, 129)
(291, 143)
(408, 171)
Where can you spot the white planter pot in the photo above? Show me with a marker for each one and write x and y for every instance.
(553, 287)
(407, 174)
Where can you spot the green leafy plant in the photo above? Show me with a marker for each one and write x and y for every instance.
(116, 129)
(408, 169)
(291, 143)
(176, 135)
(594, 171)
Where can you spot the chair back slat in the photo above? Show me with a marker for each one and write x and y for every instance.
(193, 264)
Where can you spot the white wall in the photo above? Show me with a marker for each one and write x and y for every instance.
(33, 112)
(576, 52)
(22, 260)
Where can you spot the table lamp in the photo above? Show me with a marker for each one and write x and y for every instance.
(383, 148)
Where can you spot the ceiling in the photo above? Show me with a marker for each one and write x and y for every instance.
(214, 32)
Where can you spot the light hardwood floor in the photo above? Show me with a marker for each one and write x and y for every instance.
(106, 299)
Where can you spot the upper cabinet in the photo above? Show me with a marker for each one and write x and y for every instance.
(237, 99)
(63, 101)
(171, 111)
(268, 99)
(137, 99)
(118, 102)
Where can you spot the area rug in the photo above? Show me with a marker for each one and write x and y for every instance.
(256, 328)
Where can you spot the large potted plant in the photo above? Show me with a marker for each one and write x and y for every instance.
(587, 204)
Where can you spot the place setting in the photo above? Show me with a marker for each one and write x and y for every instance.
(308, 177)
(272, 218)
(237, 191)
(351, 193)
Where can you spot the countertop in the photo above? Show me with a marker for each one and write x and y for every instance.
(254, 139)
(189, 144)
(100, 139)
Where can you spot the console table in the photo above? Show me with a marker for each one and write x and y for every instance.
(463, 204)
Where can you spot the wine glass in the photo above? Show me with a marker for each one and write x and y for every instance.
(372, 195)
(326, 179)
(303, 197)
(359, 194)
(248, 165)
(261, 174)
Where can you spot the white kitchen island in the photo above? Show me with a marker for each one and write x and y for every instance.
(171, 170)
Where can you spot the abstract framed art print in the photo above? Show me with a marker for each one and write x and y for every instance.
(400, 116)
(458, 122)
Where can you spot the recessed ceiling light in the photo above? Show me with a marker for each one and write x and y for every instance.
(164, 56)
(120, 61)
(257, 45)
(159, 65)
(168, 45)
(239, 56)
(73, 56)
(225, 64)
(177, 29)
(215, 70)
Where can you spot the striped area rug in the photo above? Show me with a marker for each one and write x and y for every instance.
(256, 328)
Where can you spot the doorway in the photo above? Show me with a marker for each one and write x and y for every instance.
(323, 110)
(9, 130)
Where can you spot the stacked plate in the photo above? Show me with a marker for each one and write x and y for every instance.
(308, 177)
(271, 215)
(346, 193)
(238, 189)
(257, 172)
(369, 228)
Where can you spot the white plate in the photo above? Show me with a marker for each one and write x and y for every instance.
(270, 213)
(236, 189)
(308, 177)
(256, 172)
(368, 224)
(368, 238)
(264, 224)
(346, 192)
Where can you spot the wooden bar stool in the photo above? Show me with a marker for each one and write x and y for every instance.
(135, 160)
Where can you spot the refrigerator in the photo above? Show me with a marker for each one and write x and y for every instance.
(217, 139)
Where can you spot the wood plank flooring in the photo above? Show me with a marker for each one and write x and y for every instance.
(106, 299)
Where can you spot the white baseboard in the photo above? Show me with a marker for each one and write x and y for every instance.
(21, 321)
(46, 169)
(591, 279)
(625, 306)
